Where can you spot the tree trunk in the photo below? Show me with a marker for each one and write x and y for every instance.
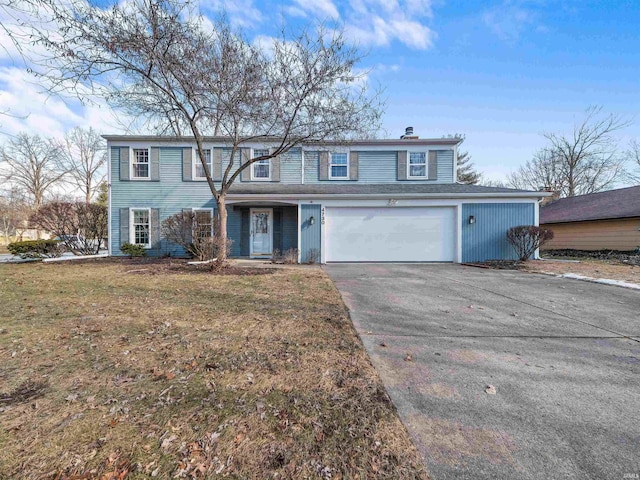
(221, 234)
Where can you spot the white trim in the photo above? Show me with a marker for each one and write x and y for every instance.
(459, 233)
(426, 166)
(132, 233)
(299, 233)
(270, 227)
(323, 243)
(252, 166)
(132, 155)
(536, 222)
(506, 197)
(302, 170)
(109, 210)
(195, 160)
(331, 177)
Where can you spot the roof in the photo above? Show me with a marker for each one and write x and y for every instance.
(223, 140)
(620, 203)
(396, 189)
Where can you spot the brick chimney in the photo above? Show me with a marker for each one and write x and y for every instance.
(555, 195)
(408, 134)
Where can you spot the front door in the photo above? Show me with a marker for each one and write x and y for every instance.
(261, 232)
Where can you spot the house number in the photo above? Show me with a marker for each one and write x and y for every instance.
(322, 216)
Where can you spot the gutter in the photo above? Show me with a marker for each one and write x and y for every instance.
(331, 196)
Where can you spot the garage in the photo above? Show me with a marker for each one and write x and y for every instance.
(390, 234)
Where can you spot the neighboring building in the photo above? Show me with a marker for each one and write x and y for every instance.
(373, 200)
(599, 221)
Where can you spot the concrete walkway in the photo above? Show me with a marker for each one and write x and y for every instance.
(562, 355)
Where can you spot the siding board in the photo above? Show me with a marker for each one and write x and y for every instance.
(486, 239)
(310, 237)
(622, 234)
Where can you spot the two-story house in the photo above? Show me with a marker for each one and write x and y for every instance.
(373, 200)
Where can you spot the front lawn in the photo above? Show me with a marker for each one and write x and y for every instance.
(118, 370)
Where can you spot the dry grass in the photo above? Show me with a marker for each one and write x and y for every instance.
(610, 269)
(108, 374)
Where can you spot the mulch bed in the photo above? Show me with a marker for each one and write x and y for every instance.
(497, 264)
(631, 257)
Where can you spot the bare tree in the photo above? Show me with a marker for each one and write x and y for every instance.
(633, 160)
(85, 156)
(14, 214)
(34, 165)
(585, 161)
(153, 58)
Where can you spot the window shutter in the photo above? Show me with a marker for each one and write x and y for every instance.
(217, 164)
(155, 164)
(124, 163)
(402, 165)
(353, 165)
(187, 165)
(189, 212)
(124, 226)
(433, 165)
(245, 175)
(275, 167)
(324, 166)
(154, 228)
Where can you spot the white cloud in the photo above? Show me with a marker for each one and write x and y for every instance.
(510, 20)
(317, 8)
(29, 109)
(380, 22)
(242, 13)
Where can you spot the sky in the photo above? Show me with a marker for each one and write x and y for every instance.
(500, 72)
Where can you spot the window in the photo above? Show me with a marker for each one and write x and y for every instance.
(339, 167)
(199, 169)
(417, 164)
(140, 163)
(203, 223)
(261, 170)
(140, 227)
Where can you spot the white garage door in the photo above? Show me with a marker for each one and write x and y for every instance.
(393, 234)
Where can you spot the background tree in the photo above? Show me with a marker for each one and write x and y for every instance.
(85, 156)
(633, 159)
(34, 165)
(585, 161)
(80, 226)
(466, 172)
(103, 194)
(14, 213)
(154, 59)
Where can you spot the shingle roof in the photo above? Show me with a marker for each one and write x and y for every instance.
(620, 203)
(344, 188)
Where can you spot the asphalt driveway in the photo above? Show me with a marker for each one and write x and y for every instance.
(563, 356)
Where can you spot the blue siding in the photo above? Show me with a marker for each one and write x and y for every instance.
(291, 167)
(486, 239)
(310, 235)
(379, 167)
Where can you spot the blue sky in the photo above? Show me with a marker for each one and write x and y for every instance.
(501, 72)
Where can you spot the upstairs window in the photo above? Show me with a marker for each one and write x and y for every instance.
(417, 164)
(199, 170)
(140, 227)
(140, 163)
(261, 170)
(339, 168)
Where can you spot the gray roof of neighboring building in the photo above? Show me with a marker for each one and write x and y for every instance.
(399, 188)
(620, 203)
(358, 143)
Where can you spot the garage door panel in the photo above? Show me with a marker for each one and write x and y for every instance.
(404, 234)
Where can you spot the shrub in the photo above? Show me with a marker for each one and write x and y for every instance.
(526, 239)
(192, 231)
(133, 250)
(36, 249)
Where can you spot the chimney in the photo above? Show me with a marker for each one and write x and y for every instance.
(408, 134)
(546, 200)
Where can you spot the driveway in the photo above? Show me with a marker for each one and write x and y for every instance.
(562, 355)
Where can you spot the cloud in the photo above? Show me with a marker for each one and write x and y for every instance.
(380, 22)
(27, 108)
(318, 8)
(241, 13)
(510, 20)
